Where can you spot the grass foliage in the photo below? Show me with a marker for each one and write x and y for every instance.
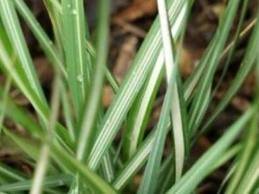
(69, 140)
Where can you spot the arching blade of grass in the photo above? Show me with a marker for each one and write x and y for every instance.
(138, 117)
(131, 86)
(10, 173)
(53, 55)
(20, 80)
(47, 44)
(19, 77)
(251, 176)
(205, 83)
(18, 115)
(166, 175)
(246, 172)
(30, 148)
(17, 182)
(230, 49)
(149, 181)
(73, 166)
(77, 64)
(12, 26)
(44, 40)
(55, 4)
(229, 154)
(66, 161)
(4, 101)
(244, 158)
(202, 167)
(177, 117)
(87, 129)
(55, 12)
(135, 163)
(49, 182)
(138, 159)
(89, 119)
(43, 160)
(236, 39)
(193, 79)
(226, 178)
(245, 68)
(67, 113)
(108, 168)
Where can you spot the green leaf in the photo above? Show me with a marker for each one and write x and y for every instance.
(43, 160)
(24, 74)
(149, 181)
(41, 108)
(135, 163)
(87, 128)
(49, 182)
(66, 161)
(74, 167)
(245, 68)
(251, 176)
(205, 82)
(45, 42)
(28, 147)
(179, 126)
(12, 25)
(131, 86)
(11, 173)
(4, 101)
(244, 158)
(141, 108)
(202, 167)
(77, 64)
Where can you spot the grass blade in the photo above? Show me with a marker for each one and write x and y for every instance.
(250, 179)
(149, 181)
(203, 166)
(66, 161)
(205, 83)
(176, 109)
(42, 162)
(141, 67)
(233, 48)
(148, 184)
(45, 42)
(13, 28)
(74, 32)
(73, 166)
(49, 182)
(89, 118)
(244, 158)
(245, 68)
(141, 108)
(138, 117)
(135, 163)
(40, 107)
(4, 100)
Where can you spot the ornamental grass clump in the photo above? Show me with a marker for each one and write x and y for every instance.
(68, 138)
